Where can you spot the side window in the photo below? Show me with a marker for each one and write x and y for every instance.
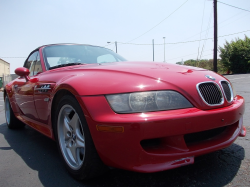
(29, 64)
(37, 66)
(33, 64)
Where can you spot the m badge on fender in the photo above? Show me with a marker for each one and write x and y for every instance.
(43, 88)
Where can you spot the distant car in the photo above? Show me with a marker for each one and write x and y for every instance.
(105, 111)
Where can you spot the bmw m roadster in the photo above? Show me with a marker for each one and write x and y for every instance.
(103, 110)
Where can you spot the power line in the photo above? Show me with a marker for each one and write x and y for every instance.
(234, 6)
(191, 36)
(204, 44)
(163, 43)
(206, 36)
(185, 41)
(13, 57)
(212, 27)
(209, 54)
(159, 22)
(219, 23)
(201, 26)
(190, 55)
(185, 55)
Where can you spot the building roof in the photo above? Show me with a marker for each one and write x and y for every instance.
(4, 61)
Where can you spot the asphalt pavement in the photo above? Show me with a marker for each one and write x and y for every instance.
(28, 158)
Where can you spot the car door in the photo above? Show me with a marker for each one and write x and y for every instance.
(24, 89)
(42, 94)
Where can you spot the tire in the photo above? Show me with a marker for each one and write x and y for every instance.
(74, 140)
(11, 120)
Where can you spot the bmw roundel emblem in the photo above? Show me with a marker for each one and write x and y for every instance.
(210, 77)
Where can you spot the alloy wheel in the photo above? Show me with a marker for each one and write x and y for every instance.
(7, 110)
(71, 137)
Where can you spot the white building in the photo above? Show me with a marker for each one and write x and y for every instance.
(4, 72)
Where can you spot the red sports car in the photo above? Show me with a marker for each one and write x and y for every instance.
(105, 111)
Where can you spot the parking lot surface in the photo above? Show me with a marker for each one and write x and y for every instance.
(28, 158)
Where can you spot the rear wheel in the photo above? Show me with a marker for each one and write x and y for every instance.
(74, 140)
(11, 120)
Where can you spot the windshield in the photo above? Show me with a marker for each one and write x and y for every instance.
(57, 55)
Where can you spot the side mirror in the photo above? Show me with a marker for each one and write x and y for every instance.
(23, 72)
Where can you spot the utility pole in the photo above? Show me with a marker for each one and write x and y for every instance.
(215, 36)
(153, 51)
(164, 48)
(116, 46)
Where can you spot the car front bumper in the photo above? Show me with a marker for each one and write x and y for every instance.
(156, 141)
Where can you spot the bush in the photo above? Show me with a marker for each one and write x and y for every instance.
(206, 64)
(235, 56)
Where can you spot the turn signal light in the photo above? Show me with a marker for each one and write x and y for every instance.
(105, 128)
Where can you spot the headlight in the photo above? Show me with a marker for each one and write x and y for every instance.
(147, 101)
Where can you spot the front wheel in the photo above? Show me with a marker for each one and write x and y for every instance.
(74, 140)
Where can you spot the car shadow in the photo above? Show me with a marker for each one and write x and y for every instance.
(40, 154)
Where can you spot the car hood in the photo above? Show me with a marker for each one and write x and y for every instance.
(125, 77)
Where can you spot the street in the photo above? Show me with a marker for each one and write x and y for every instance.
(27, 158)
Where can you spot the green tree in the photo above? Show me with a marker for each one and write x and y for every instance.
(205, 64)
(180, 63)
(235, 56)
(191, 62)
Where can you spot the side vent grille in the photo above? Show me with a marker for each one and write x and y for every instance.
(211, 93)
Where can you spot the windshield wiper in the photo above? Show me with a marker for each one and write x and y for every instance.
(63, 65)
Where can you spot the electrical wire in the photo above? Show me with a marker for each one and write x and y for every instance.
(233, 6)
(209, 54)
(13, 57)
(204, 44)
(201, 26)
(163, 43)
(159, 22)
(185, 41)
(191, 36)
(206, 35)
(184, 56)
(212, 27)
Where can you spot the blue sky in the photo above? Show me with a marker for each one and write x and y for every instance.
(27, 24)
